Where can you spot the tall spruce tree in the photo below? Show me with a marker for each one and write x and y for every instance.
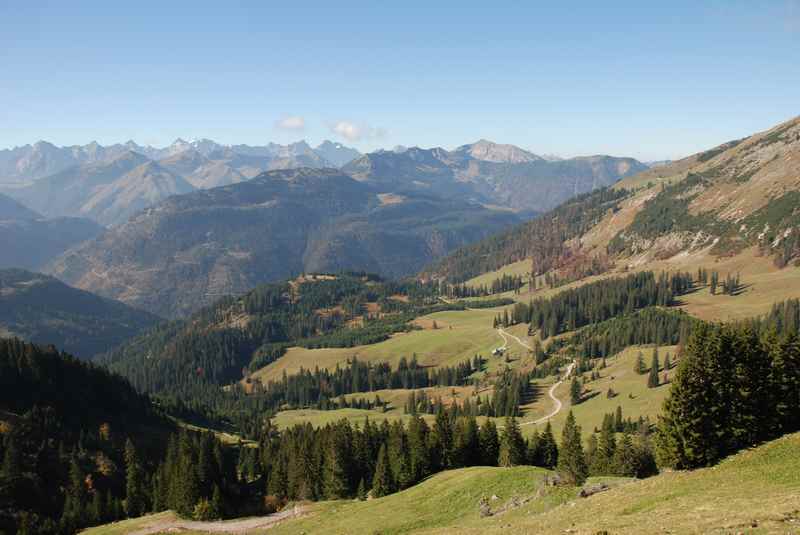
(134, 486)
(691, 429)
(603, 461)
(547, 450)
(12, 459)
(575, 391)
(512, 445)
(571, 459)
(334, 474)
(638, 365)
(489, 443)
(652, 377)
(382, 482)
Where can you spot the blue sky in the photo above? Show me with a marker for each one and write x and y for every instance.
(646, 79)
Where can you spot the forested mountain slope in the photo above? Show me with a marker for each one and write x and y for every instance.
(80, 447)
(44, 310)
(190, 250)
(63, 429)
(215, 345)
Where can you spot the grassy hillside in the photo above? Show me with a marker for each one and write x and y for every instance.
(754, 492)
(459, 335)
(632, 394)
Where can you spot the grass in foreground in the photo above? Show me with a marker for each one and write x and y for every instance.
(131, 525)
(445, 500)
(753, 492)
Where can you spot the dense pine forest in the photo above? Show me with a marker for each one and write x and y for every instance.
(185, 362)
(597, 302)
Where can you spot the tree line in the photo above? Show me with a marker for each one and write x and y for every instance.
(315, 389)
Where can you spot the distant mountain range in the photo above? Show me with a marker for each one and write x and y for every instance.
(189, 250)
(490, 173)
(198, 220)
(109, 184)
(30, 162)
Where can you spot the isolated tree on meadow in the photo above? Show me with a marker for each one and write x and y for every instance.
(575, 391)
(638, 365)
(652, 378)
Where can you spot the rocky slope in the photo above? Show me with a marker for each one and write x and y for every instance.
(189, 250)
(741, 195)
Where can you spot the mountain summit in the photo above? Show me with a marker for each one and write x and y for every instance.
(494, 152)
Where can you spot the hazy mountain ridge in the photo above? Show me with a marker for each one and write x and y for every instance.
(32, 243)
(27, 163)
(29, 240)
(107, 192)
(492, 174)
(11, 210)
(44, 310)
(189, 250)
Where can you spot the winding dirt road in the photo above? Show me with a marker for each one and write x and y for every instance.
(503, 335)
(226, 526)
(551, 394)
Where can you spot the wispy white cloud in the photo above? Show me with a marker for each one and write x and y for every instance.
(293, 123)
(356, 132)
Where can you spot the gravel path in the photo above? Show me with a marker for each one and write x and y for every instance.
(221, 526)
(551, 394)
